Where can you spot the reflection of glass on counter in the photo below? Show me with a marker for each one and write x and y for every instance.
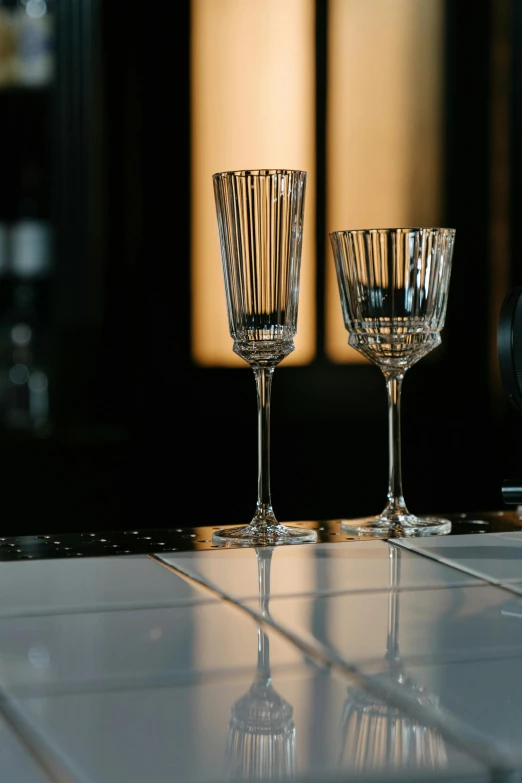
(377, 736)
(261, 739)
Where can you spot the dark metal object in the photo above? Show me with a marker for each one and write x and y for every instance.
(509, 346)
(512, 492)
(158, 541)
(509, 350)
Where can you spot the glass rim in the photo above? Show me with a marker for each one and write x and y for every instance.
(399, 229)
(256, 172)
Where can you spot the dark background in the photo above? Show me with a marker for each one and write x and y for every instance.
(143, 438)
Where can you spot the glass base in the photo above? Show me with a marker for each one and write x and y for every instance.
(263, 535)
(400, 526)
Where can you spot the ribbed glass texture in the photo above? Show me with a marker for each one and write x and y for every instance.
(393, 286)
(378, 737)
(262, 737)
(260, 222)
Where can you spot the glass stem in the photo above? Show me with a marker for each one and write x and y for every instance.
(396, 502)
(264, 512)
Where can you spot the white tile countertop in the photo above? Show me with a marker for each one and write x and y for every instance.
(395, 660)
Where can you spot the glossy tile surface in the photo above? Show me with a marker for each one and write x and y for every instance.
(52, 586)
(312, 569)
(300, 725)
(146, 645)
(16, 763)
(449, 623)
(496, 557)
(137, 668)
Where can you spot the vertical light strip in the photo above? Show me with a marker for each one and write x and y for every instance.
(252, 106)
(384, 126)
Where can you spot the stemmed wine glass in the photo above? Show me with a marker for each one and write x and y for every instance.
(393, 286)
(260, 224)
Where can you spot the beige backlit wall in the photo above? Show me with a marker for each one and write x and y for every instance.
(384, 126)
(253, 103)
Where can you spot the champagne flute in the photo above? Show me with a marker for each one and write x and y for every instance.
(260, 225)
(393, 286)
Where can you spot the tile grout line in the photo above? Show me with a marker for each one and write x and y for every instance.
(420, 660)
(488, 580)
(94, 609)
(113, 684)
(50, 760)
(478, 582)
(460, 735)
(31, 612)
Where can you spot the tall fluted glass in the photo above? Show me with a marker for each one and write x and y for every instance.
(393, 286)
(260, 224)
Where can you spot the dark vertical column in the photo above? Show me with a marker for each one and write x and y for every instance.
(123, 78)
(98, 206)
(97, 311)
(515, 196)
(466, 395)
(511, 426)
(467, 176)
(176, 396)
(500, 185)
(79, 211)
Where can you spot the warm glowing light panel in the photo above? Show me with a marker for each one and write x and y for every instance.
(253, 99)
(253, 106)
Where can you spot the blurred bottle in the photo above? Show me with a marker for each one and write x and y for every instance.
(26, 59)
(30, 244)
(24, 343)
(4, 249)
(24, 384)
(8, 47)
(34, 43)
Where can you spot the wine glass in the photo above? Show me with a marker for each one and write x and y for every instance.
(260, 224)
(261, 742)
(393, 286)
